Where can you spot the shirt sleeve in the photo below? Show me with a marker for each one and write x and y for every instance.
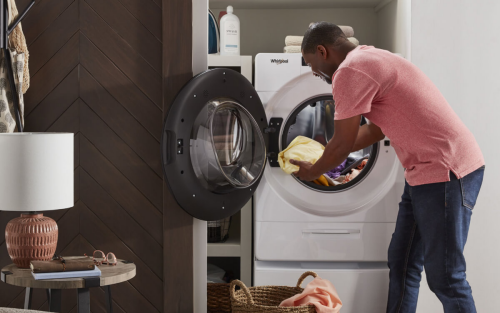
(353, 92)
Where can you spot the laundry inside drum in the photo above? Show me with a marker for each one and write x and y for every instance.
(227, 147)
(315, 119)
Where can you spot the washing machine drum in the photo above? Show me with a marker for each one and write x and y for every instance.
(213, 145)
(314, 118)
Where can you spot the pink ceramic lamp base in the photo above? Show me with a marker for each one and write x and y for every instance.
(31, 237)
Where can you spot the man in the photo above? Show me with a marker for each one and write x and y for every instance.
(443, 164)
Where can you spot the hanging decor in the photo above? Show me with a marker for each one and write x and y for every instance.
(14, 74)
(7, 121)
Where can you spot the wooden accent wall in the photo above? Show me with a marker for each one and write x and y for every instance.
(98, 70)
(178, 225)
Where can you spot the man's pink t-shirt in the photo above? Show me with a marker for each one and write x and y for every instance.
(428, 137)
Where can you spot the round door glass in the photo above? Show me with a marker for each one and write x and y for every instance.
(315, 119)
(227, 148)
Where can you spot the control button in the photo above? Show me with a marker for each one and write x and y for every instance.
(179, 150)
(387, 143)
(179, 143)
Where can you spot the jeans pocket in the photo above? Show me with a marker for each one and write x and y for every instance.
(471, 184)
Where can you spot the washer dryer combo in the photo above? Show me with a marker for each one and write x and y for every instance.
(220, 145)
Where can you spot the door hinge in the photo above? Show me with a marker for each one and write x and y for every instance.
(273, 148)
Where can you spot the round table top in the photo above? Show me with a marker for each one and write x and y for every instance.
(109, 275)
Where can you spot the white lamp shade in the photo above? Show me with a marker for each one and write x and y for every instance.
(36, 171)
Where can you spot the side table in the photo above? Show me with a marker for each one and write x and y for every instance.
(110, 275)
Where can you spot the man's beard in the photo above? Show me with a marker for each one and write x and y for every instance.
(327, 80)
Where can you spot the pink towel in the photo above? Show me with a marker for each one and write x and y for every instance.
(321, 293)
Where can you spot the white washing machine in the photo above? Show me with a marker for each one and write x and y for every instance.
(343, 232)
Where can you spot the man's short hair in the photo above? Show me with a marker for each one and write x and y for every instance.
(322, 33)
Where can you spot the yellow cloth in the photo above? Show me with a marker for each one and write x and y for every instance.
(300, 149)
(322, 181)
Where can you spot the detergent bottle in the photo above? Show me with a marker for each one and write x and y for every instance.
(230, 33)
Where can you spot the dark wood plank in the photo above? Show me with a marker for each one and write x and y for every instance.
(97, 301)
(178, 266)
(52, 73)
(45, 305)
(158, 2)
(120, 52)
(120, 121)
(18, 302)
(68, 300)
(120, 188)
(41, 15)
(56, 215)
(69, 121)
(77, 153)
(54, 37)
(98, 234)
(178, 225)
(5, 217)
(41, 117)
(69, 228)
(120, 87)
(21, 4)
(77, 183)
(127, 230)
(39, 299)
(79, 245)
(147, 12)
(122, 156)
(129, 28)
(129, 297)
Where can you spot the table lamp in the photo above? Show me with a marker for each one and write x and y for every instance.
(36, 175)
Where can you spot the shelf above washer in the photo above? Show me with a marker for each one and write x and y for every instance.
(230, 248)
(293, 4)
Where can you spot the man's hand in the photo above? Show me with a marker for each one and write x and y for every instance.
(304, 172)
(348, 137)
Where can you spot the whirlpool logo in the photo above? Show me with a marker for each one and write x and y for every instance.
(279, 61)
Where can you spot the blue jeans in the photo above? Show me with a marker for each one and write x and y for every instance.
(431, 231)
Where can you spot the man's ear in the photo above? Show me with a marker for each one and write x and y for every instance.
(322, 52)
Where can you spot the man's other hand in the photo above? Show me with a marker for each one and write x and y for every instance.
(304, 172)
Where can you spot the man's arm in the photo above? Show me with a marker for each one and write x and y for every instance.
(368, 134)
(348, 137)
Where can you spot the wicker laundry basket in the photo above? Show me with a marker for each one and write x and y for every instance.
(218, 231)
(266, 299)
(218, 298)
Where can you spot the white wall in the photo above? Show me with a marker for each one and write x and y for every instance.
(456, 44)
(393, 27)
(265, 30)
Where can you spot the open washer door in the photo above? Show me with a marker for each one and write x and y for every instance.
(213, 144)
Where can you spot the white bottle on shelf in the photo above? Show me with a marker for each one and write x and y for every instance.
(230, 33)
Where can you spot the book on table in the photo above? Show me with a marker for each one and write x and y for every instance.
(96, 272)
